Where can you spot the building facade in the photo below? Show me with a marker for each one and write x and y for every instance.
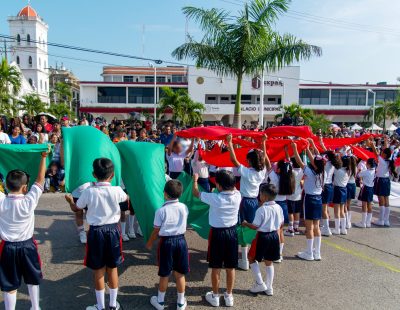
(60, 74)
(29, 49)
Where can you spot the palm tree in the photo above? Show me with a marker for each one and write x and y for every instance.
(32, 104)
(192, 115)
(61, 92)
(10, 85)
(60, 110)
(243, 45)
(383, 111)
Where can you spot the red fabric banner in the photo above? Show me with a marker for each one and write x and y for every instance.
(362, 153)
(216, 133)
(289, 131)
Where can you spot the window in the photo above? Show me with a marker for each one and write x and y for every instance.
(140, 95)
(111, 94)
(128, 78)
(160, 79)
(18, 39)
(178, 79)
(31, 82)
(117, 78)
(314, 96)
(149, 79)
(30, 61)
(108, 78)
(348, 97)
(385, 95)
(17, 60)
(28, 39)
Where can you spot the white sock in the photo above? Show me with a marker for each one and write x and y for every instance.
(123, 228)
(296, 224)
(255, 268)
(364, 218)
(113, 296)
(381, 213)
(325, 223)
(181, 298)
(131, 223)
(317, 245)
(290, 227)
(270, 276)
(310, 243)
(343, 223)
(281, 248)
(349, 216)
(244, 253)
(386, 214)
(337, 224)
(101, 304)
(369, 218)
(161, 297)
(80, 228)
(10, 300)
(34, 296)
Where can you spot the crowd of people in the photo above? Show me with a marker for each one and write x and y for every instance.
(269, 197)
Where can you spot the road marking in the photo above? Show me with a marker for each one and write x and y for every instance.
(363, 256)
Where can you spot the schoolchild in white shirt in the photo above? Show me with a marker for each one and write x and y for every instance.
(170, 227)
(351, 189)
(223, 239)
(268, 221)
(176, 157)
(200, 167)
(250, 181)
(103, 248)
(295, 201)
(367, 177)
(19, 255)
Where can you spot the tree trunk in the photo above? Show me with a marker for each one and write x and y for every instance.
(237, 122)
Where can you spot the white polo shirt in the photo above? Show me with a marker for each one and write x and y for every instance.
(312, 182)
(269, 217)
(77, 192)
(200, 166)
(176, 162)
(4, 138)
(17, 218)
(367, 177)
(329, 170)
(224, 208)
(171, 218)
(298, 176)
(250, 181)
(102, 201)
(341, 177)
(382, 171)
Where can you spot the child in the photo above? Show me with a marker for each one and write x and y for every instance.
(382, 182)
(294, 201)
(313, 184)
(268, 220)
(200, 167)
(223, 239)
(54, 177)
(367, 192)
(103, 249)
(19, 254)
(250, 181)
(176, 157)
(351, 189)
(170, 226)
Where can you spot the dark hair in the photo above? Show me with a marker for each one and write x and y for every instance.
(294, 162)
(269, 190)
(103, 168)
(16, 179)
(225, 179)
(319, 169)
(287, 182)
(334, 159)
(371, 162)
(174, 189)
(256, 159)
(352, 166)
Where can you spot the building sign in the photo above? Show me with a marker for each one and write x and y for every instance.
(257, 108)
(228, 109)
(256, 83)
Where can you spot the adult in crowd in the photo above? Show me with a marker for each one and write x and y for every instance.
(4, 138)
(65, 122)
(16, 136)
(287, 120)
(166, 136)
(45, 123)
(121, 136)
(41, 134)
(27, 122)
(143, 136)
(56, 129)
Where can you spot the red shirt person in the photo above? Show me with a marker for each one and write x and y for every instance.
(45, 123)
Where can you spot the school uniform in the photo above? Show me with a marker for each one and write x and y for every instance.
(313, 184)
(266, 246)
(327, 193)
(382, 181)
(294, 201)
(340, 180)
(173, 254)
(367, 190)
(250, 180)
(19, 257)
(104, 242)
(351, 188)
(223, 239)
(201, 168)
(176, 164)
(77, 192)
(274, 179)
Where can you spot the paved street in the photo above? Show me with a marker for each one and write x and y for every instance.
(358, 271)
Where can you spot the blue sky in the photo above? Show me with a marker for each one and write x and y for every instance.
(349, 56)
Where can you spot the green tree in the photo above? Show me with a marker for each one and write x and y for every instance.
(383, 111)
(182, 106)
(318, 121)
(61, 92)
(32, 104)
(59, 110)
(10, 85)
(245, 44)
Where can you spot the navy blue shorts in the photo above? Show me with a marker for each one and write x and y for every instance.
(367, 194)
(173, 255)
(351, 191)
(284, 207)
(205, 184)
(312, 207)
(248, 208)
(19, 260)
(223, 248)
(382, 187)
(327, 194)
(265, 246)
(294, 206)
(104, 247)
(339, 195)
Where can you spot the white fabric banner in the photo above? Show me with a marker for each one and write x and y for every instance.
(394, 198)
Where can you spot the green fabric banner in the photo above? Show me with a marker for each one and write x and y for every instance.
(25, 157)
(82, 145)
(143, 174)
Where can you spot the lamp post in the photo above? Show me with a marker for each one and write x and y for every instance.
(261, 114)
(373, 107)
(283, 96)
(155, 95)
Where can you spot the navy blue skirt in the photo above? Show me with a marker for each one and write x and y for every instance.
(351, 191)
(312, 207)
(339, 195)
(248, 208)
(367, 194)
(382, 187)
(327, 194)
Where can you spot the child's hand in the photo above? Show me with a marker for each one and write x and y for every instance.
(44, 154)
(293, 144)
(244, 223)
(229, 138)
(264, 138)
(195, 177)
(149, 246)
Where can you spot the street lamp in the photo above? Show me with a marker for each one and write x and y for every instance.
(373, 107)
(261, 114)
(283, 96)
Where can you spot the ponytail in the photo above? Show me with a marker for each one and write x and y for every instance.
(287, 182)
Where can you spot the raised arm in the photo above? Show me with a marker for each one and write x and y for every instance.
(42, 167)
(297, 155)
(385, 142)
(190, 149)
(264, 149)
(312, 143)
(169, 147)
(195, 186)
(373, 147)
(232, 151)
(287, 157)
(321, 142)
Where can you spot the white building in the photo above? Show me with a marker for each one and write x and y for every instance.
(29, 50)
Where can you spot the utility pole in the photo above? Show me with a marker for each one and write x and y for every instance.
(5, 49)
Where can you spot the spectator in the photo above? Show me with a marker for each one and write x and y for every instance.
(56, 129)
(41, 134)
(287, 120)
(16, 137)
(154, 137)
(143, 136)
(103, 129)
(27, 122)
(4, 139)
(46, 125)
(166, 136)
(138, 128)
(133, 136)
(65, 122)
(32, 139)
(121, 136)
(54, 177)
(54, 139)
